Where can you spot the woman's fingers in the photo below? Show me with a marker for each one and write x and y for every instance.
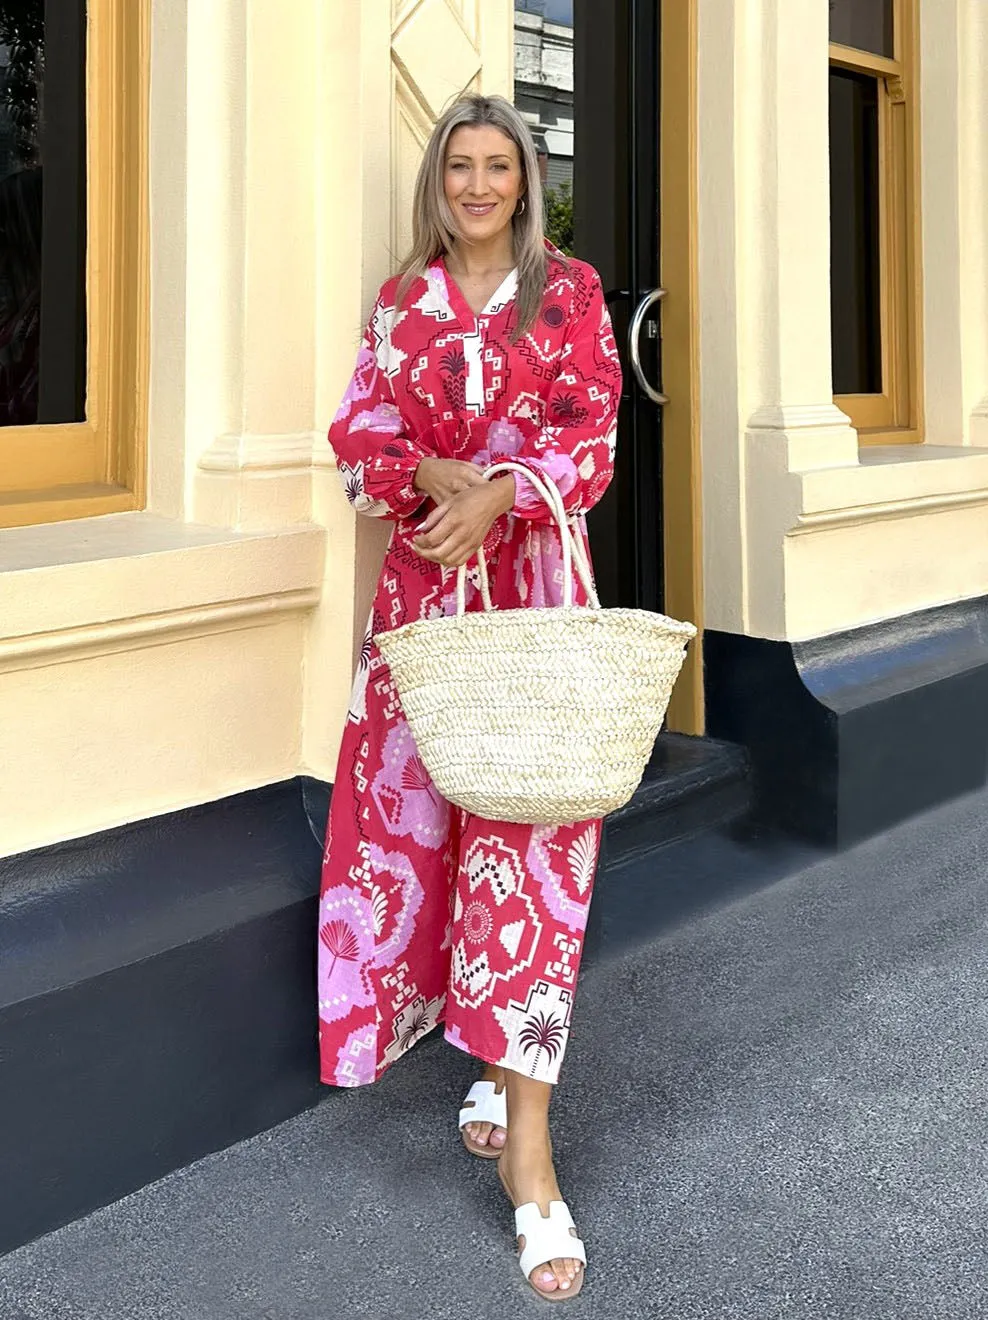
(444, 546)
(454, 531)
(465, 478)
(446, 543)
(444, 478)
(433, 519)
(448, 555)
(437, 528)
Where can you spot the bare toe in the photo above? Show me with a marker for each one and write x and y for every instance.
(563, 1277)
(543, 1279)
(498, 1137)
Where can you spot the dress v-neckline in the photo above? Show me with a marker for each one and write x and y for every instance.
(501, 296)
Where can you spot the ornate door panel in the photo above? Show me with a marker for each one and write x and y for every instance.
(439, 48)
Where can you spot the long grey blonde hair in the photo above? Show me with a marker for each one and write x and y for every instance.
(434, 227)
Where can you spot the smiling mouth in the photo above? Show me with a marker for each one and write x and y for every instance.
(474, 209)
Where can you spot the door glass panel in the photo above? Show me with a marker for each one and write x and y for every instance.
(544, 95)
(864, 24)
(586, 80)
(855, 234)
(42, 212)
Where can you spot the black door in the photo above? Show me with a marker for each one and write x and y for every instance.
(616, 228)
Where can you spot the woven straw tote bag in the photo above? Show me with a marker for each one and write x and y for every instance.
(539, 716)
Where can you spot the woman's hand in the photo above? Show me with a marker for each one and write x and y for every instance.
(444, 478)
(455, 530)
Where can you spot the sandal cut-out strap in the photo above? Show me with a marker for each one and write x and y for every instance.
(487, 1107)
(547, 1237)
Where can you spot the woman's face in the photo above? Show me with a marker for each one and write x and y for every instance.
(483, 180)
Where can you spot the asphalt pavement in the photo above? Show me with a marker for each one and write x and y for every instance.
(775, 1110)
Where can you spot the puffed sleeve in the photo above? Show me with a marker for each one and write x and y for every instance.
(575, 446)
(375, 455)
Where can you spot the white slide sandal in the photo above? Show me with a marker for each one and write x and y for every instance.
(549, 1238)
(483, 1104)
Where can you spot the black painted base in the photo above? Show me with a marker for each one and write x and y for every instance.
(690, 784)
(157, 982)
(156, 992)
(849, 734)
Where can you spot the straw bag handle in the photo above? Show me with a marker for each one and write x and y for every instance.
(571, 541)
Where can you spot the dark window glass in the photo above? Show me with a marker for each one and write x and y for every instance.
(42, 212)
(863, 24)
(854, 234)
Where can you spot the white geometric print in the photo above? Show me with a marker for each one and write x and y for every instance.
(582, 858)
(472, 345)
(349, 1064)
(379, 908)
(498, 872)
(383, 323)
(412, 1023)
(537, 1030)
(472, 980)
(510, 937)
(563, 968)
(491, 864)
(395, 980)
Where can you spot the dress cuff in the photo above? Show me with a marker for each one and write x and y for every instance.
(391, 477)
(559, 468)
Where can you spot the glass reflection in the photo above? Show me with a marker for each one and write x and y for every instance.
(855, 234)
(544, 95)
(42, 211)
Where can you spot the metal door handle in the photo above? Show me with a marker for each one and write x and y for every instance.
(634, 331)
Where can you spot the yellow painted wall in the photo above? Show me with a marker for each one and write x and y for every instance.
(154, 660)
(804, 535)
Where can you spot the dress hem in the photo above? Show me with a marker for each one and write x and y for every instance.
(459, 1045)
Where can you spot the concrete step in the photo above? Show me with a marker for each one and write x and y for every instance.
(690, 785)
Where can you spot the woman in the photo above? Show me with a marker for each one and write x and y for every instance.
(489, 345)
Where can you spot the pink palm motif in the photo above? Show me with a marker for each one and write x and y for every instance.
(339, 939)
(415, 778)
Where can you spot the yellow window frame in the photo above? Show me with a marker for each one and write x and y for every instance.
(76, 470)
(895, 415)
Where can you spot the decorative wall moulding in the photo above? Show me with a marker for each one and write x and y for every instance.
(979, 425)
(894, 482)
(904, 508)
(260, 453)
(39, 649)
(431, 27)
(797, 417)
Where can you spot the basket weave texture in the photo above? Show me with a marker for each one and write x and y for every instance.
(537, 716)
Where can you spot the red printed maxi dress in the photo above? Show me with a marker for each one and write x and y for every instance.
(428, 914)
